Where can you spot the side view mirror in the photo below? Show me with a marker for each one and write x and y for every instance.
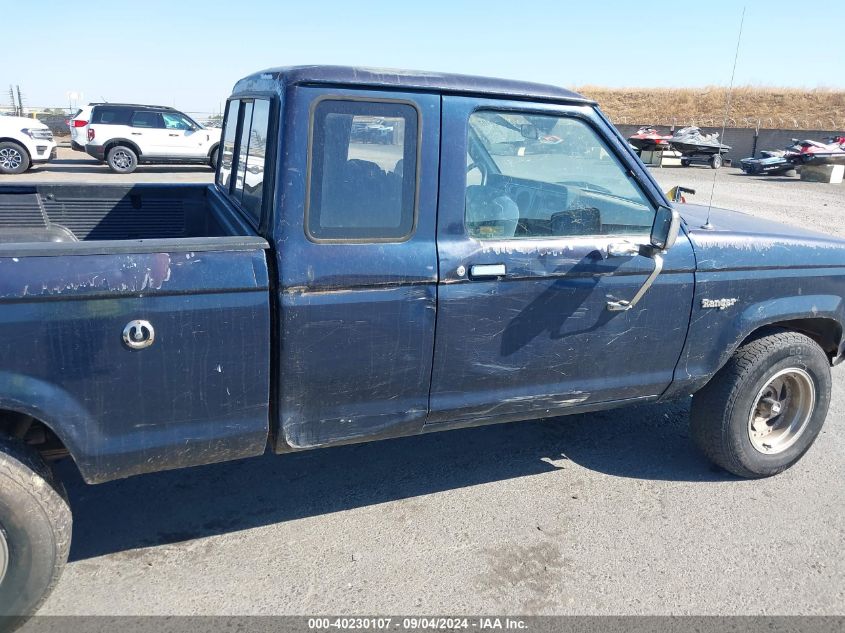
(664, 231)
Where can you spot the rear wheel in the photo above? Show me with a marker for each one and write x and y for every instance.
(685, 162)
(35, 530)
(14, 159)
(122, 159)
(764, 409)
(716, 161)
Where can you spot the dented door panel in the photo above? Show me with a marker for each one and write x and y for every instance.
(539, 339)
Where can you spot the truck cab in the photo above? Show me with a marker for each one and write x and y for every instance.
(385, 253)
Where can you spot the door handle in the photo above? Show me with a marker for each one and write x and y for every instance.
(136, 133)
(623, 249)
(486, 271)
(172, 135)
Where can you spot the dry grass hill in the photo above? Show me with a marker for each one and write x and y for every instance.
(792, 108)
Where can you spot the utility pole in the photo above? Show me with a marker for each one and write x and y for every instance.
(20, 101)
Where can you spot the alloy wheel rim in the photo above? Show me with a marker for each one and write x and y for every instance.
(122, 159)
(4, 555)
(10, 158)
(781, 411)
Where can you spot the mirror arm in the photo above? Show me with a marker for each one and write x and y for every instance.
(657, 257)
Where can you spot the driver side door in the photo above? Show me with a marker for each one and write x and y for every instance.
(531, 198)
(184, 139)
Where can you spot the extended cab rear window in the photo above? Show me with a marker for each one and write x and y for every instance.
(363, 167)
(243, 160)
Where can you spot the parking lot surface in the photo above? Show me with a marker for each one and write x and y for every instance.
(78, 167)
(606, 513)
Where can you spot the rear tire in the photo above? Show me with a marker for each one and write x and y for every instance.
(716, 161)
(14, 159)
(685, 162)
(35, 531)
(122, 159)
(733, 416)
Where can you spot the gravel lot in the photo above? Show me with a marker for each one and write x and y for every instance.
(609, 513)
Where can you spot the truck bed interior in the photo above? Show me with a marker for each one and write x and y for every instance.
(95, 212)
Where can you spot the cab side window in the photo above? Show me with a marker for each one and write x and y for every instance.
(532, 175)
(243, 159)
(362, 171)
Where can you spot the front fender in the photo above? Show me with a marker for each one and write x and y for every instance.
(763, 298)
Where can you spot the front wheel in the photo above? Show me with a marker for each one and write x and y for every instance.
(122, 159)
(35, 529)
(212, 159)
(716, 161)
(762, 411)
(14, 159)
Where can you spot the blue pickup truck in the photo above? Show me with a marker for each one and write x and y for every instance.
(385, 253)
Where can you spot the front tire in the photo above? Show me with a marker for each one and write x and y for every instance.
(122, 159)
(35, 530)
(212, 159)
(14, 159)
(764, 409)
(716, 161)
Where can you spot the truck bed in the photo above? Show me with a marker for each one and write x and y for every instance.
(79, 265)
(95, 212)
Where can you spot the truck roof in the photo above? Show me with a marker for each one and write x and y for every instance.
(406, 80)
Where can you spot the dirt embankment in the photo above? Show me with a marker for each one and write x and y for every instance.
(792, 108)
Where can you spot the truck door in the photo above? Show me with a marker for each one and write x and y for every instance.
(531, 198)
(355, 239)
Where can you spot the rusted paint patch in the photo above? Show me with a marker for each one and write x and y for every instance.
(47, 276)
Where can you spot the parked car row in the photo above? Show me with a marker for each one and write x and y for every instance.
(123, 135)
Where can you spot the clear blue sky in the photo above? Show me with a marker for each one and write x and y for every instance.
(190, 53)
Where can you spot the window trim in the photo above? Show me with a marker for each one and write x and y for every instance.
(608, 147)
(309, 170)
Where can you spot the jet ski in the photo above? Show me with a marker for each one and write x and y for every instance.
(809, 152)
(690, 140)
(771, 162)
(648, 139)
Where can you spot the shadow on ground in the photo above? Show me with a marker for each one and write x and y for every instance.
(66, 166)
(646, 442)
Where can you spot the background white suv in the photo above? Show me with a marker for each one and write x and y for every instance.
(124, 135)
(79, 127)
(24, 142)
